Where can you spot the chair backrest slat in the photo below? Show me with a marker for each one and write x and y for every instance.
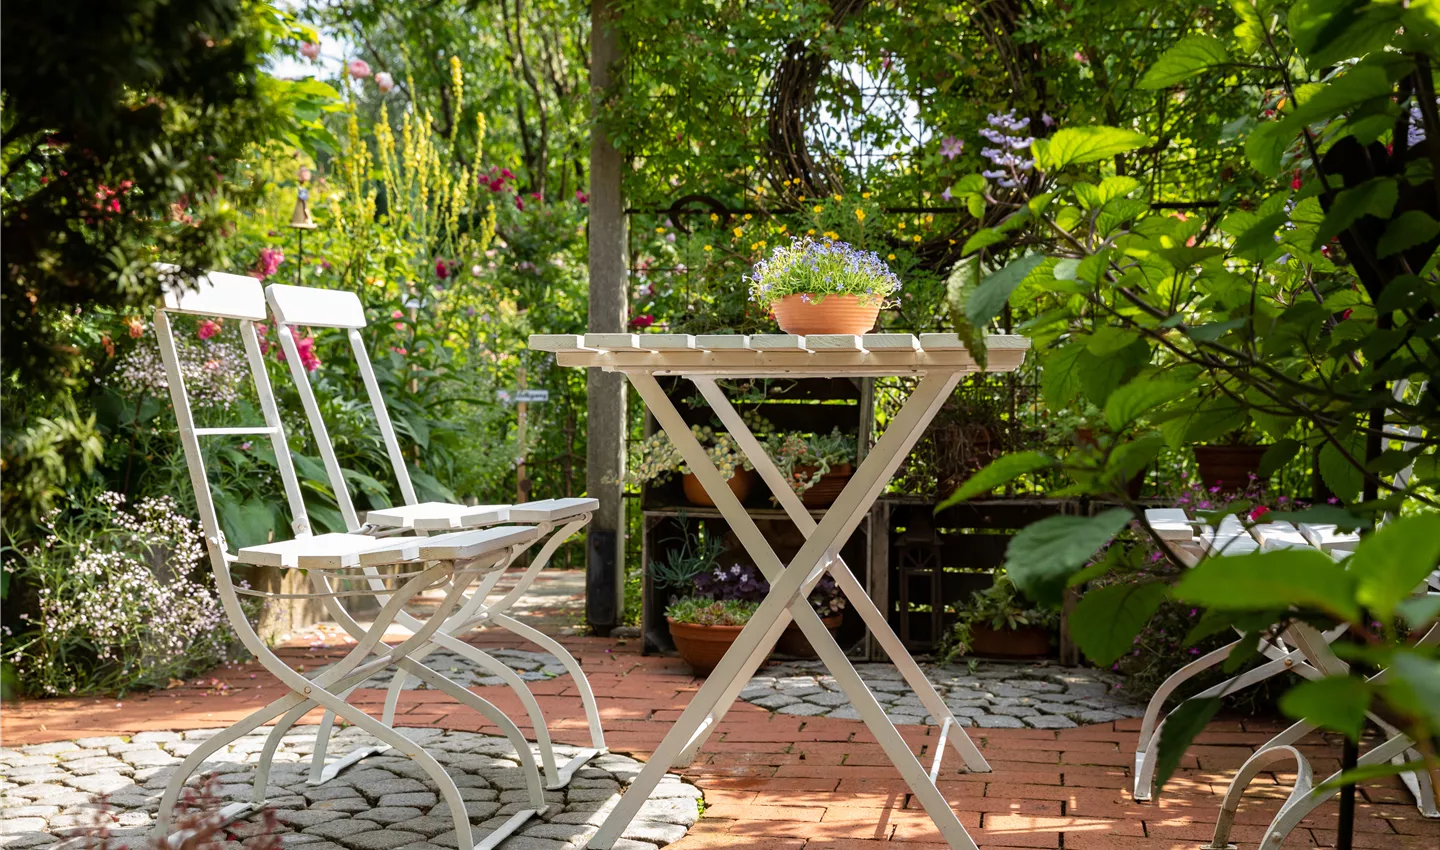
(333, 308)
(223, 296)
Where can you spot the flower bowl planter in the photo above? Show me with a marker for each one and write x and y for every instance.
(825, 491)
(793, 642)
(829, 314)
(702, 647)
(740, 485)
(1229, 467)
(1026, 642)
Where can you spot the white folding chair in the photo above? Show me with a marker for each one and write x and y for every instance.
(340, 566)
(1295, 651)
(294, 306)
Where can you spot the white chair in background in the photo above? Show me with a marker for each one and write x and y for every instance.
(339, 566)
(296, 306)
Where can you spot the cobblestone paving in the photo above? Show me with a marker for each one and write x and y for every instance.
(994, 696)
(48, 793)
(531, 667)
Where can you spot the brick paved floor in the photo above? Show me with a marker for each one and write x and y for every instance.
(779, 781)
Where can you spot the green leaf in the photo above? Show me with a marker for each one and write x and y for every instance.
(1258, 241)
(1000, 471)
(248, 524)
(1188, 57)
(1406, 231)
(1077, 145)
(1060, 379)
(1334, 702)
(990, 296)
(1343, 520)
(1373, 197)
(1041, 557)
(1266, 144)
(1415, 685)
(1393, 561)
(1250, 32)
(1179, 729)
(982, 239)
(1131, 401)
(1105, 622)
(1419, 611)
(1101, 374)
(1270, 580)
(1327, 31)
(1279, 454)
(1342, 477)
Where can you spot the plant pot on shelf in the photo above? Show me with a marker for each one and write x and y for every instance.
(829, 314)
(740, 484)
(793, 642)
(1024, 642)
(822, 493)
(1229, 467)
(702, 647)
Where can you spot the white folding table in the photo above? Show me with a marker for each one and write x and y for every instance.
(939, 361)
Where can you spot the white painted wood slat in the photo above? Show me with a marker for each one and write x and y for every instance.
(558, 342)
(315, 307)
(778, 342)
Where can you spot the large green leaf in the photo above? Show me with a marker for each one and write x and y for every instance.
(1179, 729)
(1133, 400)
(1101, 374)
(1327, 31)
(1105, 622)
(990, 296)
(1406, 231)
(1373, 197)
(1000, 471)
(1342, 477)
(1060, 379)
(1334, 702)
(1188, 57)
(1042, 556)
(1415, 685)
(1268, 581)
(1266, 144)
(1078, 145)
(1393, 561)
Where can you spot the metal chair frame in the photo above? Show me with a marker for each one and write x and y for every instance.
(293, 306)
(430, 562)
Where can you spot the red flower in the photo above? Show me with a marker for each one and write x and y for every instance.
(1295, 183)
(208, 329)
(582, 197)
(1258, 511)
(442, 271)
(644, 320)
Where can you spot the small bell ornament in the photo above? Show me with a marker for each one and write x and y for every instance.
(300, 219)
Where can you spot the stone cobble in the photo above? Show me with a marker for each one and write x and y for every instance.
(993, 695)
(529, 666)
(381, 803)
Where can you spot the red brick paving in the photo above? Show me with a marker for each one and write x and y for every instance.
(791, 783)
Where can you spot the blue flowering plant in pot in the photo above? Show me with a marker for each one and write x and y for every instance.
(823, 286)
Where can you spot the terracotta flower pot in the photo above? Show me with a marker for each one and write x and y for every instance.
(830, 314)
(1025, 642)
(702, 647)
(824, 492)
(1229, 467)
(793, 642)
(740, 485)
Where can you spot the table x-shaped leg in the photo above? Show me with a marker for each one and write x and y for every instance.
(855, 593)
(786, 586)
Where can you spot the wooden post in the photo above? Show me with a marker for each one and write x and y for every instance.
(605, 391)
(522, 484)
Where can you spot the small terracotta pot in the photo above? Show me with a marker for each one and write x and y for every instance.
(740, 485)
(830, 314)
(825, 491)
(1025, 642)
(793, 642)
(1229, 467)
(702, 647)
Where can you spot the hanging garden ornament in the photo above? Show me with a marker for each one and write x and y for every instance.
(358, 68)
(300, 219)
(310, 51)
(384, 81)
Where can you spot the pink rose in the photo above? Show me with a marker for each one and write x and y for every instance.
(208, 329)
(358, 68)
(310, 51)
(384, 81)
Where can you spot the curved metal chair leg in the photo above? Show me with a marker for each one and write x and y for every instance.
(571, 665)
(1151, 723)
(1298, 806)
(1248, 771)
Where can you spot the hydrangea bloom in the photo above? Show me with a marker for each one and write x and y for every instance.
(822, 267)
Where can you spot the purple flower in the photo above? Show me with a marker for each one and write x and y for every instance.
(951, 147)
(946, 194)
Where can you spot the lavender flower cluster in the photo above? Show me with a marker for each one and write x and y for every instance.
(1006, 133)
(810, 267)
(745, 583)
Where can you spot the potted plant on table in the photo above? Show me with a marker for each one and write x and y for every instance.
(656, 459)
(823, 287)
(817, 466)
(999, 621)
